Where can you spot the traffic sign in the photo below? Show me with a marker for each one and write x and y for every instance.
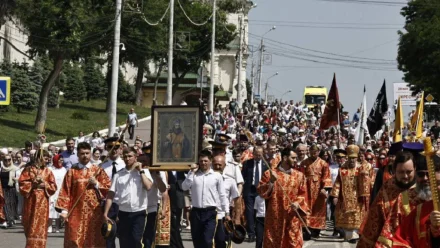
(5, 90)
(429, 98)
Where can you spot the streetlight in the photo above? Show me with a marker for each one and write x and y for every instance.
(267, 83)
(261, 58)
(281, 99)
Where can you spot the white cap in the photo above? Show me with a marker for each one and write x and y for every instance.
(4, 151)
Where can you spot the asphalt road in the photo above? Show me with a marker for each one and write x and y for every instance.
(14, 237)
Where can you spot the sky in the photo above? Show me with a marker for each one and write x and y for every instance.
(346, 34)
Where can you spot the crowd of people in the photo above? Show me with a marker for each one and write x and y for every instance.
(266, 174)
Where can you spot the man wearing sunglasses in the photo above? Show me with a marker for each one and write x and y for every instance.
(111, 166)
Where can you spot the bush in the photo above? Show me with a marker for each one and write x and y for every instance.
(80, 116)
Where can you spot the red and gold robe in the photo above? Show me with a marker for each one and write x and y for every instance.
(317, 175)
(163, 226)
(2, 203)
(416, 231)
(36, 204)
(85, 220)
(386, 212)
(275, 160)
(351, 187)
(246, 155)
(282, 228)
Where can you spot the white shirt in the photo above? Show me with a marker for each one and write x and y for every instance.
(260, 206)
(257, 166)
(231, 192)
(130, 193)
(334, 170)
(206, 188)
(232, 170)
(132, 118)
(59, 174)
(108, 166)
(154, 194)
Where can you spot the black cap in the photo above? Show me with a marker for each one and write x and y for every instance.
(340, 153)
(239, 234)
(112, 141)
(108, 230)
(221, 141)
(147, 149)
(395, 147)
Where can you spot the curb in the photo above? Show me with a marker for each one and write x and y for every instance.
(60, 143)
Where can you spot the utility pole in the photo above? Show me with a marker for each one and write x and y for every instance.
(169, 100)
(240, 63)
(260, 67)
(265, 92)
(115, 71)
(211, 86)
(252, 81)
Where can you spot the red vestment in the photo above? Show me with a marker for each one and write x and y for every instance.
(317, 175)
(275, 160)
(2, 203)
(85, 220)
(36, 204)
(282, 228)
(351, 188)
(246, 155)
(386, 212)
(416, 231)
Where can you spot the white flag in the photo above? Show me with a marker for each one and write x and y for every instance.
(362, 127)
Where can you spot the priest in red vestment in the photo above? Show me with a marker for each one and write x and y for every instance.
(417, 229)
(318, 180)
(394, 201)
(80, 200)
(2, 203)
(37, 184)
(350, 193)
(285, 192)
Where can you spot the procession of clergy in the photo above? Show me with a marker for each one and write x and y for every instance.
(276, 199)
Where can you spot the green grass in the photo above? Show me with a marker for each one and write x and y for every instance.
(16, 128)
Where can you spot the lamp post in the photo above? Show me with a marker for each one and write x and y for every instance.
(261, 59)
(267, 83)
(281, 99)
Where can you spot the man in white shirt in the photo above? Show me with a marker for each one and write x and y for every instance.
(129, 190)
(132, 120)
(218, 165)
(111, 166)
(154, 195)
(207, 187)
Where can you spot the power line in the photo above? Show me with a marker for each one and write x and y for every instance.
(317, 51)
(189, 19)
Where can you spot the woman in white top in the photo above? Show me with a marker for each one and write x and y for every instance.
(96, 157)
(96, 140)
(59, 172)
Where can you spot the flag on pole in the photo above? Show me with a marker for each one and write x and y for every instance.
(375, 119)
(417, 124)
(362, 125)
(398, 123)
(332, 106)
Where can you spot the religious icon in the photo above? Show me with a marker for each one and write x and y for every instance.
(176, 136)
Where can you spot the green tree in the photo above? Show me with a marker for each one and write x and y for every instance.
(23, 94)
(75, 90)
(125, 91)
(419, 47)
(93, 80)
(63, 29)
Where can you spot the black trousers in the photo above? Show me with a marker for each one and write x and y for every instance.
(176, 239)
(260, 232)
(112, 214)
(150, 230)
(203, 225)
(131, 131)
(131, 228)
(221, 237)
(249, 201)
